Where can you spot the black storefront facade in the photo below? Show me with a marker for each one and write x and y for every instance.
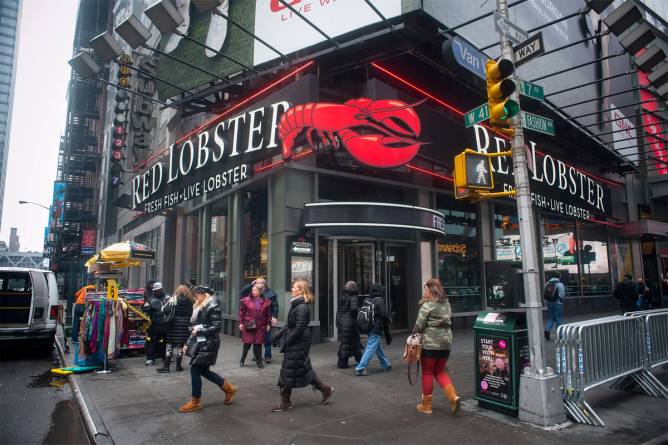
(363, 191)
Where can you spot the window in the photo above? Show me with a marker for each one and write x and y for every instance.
(255, 245)
(560, 251)
(218, 261)
(593, 255)
(191, 260)
(18, 283)
(507, 244)
(458, 258)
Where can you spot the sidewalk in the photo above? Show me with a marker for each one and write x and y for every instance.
(136, 405)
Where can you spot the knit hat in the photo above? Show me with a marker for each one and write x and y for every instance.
(157, 285)
(351, 287)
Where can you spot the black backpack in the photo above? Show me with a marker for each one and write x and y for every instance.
(166, 315)
(550, 291)
(365, 316)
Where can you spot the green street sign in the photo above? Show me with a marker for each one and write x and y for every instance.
(531, 90)
(538, 123)
(476, 115)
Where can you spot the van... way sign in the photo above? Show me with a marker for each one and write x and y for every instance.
(529, 49)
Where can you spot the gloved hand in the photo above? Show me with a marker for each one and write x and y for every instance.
(388, 339)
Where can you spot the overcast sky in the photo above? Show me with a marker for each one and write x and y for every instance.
(38, 118)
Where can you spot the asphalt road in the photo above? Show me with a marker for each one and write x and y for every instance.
(36, 407)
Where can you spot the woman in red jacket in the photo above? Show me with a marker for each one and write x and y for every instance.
(254, 321)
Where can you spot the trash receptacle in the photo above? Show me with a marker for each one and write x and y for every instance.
(501, 352)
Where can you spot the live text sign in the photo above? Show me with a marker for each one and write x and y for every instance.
(476, 115)
(538, 123)
(529, 49)
(512, 32)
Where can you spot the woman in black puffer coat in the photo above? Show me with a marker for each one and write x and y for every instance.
(296, 370)
(205, 323)
(179, 330)
(346, 319)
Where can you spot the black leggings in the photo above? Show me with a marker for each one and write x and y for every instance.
(196, 374)
(257, 352)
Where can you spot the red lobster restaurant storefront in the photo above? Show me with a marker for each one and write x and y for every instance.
(343, 171)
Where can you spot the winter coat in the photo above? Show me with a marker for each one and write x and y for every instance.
(266, 293)
(346, 318)
(153, 309)
(627, 294)
(248, 310)
(211, 320)
(296, 371)
(434, 323)
(179, 330)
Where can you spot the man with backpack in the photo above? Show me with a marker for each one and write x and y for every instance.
(553, 294)
(156, 332)
(372, 319)
(626, 292)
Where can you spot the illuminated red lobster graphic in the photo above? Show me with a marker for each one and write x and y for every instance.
(381, 134)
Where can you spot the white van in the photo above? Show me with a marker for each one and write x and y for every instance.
(28, 306)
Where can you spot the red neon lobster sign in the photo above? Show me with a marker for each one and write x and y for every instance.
(379, 134)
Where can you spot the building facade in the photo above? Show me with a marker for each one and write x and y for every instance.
(334, 161)
(10, 14)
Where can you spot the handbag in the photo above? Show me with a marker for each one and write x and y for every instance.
(250, 325)
(192, 345)
(412, 352)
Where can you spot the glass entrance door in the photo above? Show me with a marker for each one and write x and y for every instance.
(396, 285)
(356, 263)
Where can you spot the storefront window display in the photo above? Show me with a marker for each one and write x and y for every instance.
(218, 252)
(560, 251)
(593, 255)
(507, 246)
(255, 246)
(458, 259)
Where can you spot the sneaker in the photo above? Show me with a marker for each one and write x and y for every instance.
(267, 359)
(389, 368)
(149, 363)
(361, 372)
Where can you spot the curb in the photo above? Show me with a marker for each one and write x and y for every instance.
(97, 436)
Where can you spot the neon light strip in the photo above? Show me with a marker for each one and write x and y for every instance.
(370, 204)
(216, 119)
(399, 226)
(277, 163)
(422, 170)
(598, 221)
(459, 112)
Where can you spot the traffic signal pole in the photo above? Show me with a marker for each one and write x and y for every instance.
(540, 395)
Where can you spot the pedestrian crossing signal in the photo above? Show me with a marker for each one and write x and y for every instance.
(473, 170)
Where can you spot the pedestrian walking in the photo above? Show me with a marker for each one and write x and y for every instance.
(157, 329)
(434, 323)
(346, 316)
(553, 294)
(295, 337)
(202, 347)
(178, 330)
(374, 315)
(627, 293)
(271, 296)
(254, 323)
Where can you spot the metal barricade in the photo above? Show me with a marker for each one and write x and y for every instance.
(620, 349)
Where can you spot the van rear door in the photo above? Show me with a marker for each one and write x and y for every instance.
(16, 305)
(40, 291)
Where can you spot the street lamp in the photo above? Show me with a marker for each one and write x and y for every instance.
(30, 202)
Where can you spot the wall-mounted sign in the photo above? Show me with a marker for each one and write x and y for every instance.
(300, 249)
(556, 186)
(120, 120)
(142, 119)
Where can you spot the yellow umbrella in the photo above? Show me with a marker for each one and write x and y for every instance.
(92, 260)
(126, 251)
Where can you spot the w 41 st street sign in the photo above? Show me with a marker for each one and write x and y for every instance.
(476, 115)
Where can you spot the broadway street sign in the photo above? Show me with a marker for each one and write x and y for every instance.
(476, 115)
(531, 48)
(512, 32)
(529, 89)
(537, 123)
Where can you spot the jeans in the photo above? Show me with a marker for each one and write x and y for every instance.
(555, 310)
(373, 347)
(77, 313)
(267, 345)
(196, 374)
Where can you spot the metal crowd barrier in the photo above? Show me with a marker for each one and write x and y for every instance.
(619, 349)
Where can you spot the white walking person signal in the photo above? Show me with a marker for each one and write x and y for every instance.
(482, 172)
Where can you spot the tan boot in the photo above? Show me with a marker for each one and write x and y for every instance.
(425, 405)
(193, 405)
(454, 399)
(230, 391)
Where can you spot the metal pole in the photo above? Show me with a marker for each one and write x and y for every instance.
(540, 397)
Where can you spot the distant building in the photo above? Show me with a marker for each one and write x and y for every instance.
(14, 244)
(22, 259)
(10, 12)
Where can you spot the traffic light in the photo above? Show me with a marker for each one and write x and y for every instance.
(499, 88)
(473, 170)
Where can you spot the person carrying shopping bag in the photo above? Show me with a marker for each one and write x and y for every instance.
(434, 324)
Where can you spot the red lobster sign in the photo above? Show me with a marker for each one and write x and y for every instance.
(379, 134)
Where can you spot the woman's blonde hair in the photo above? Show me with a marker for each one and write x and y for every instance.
(182, 289)
(304, 290)
(199, 305)
(436, 292)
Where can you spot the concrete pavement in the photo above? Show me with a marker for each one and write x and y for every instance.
(136, 405)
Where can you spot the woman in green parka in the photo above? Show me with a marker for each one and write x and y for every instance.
(434, 323)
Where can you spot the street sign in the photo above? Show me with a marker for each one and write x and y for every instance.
(529, 49)
(465, 55)
(476, 115)
(512, 32)
(529, 89)
(538, 123)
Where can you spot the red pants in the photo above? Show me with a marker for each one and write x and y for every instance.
(433, 368)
